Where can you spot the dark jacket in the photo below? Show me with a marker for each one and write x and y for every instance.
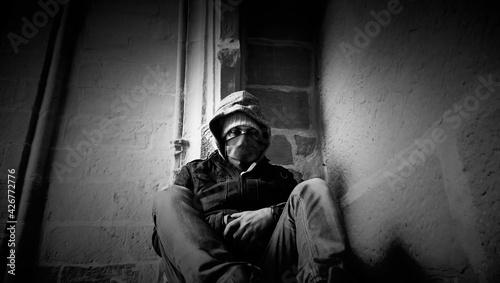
(219, 189)
(217, 185)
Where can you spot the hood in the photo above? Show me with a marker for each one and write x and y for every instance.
(241, 101)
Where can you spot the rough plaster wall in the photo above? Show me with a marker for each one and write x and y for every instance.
(112, 148)
(440, 205)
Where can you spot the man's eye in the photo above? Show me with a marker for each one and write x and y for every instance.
(237, 132)
(234, 132)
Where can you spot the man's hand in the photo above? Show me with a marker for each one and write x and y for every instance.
(248, 226)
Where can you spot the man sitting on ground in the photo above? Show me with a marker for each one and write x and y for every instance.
(234, 217)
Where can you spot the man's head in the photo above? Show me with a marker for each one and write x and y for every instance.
(243, 140)
(240, 129)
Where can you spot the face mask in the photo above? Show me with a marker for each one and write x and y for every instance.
(243, 150)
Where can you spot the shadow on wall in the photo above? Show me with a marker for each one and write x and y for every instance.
(411, 88)
(396, 266)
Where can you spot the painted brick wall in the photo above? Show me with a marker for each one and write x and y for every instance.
(112, 147)
(411, 135)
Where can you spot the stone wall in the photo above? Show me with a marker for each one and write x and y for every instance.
(111, 150)
(279, 58)
(410, 98)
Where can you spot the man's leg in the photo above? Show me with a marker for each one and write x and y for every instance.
(190, 245)
(308, 242)
(172, 273)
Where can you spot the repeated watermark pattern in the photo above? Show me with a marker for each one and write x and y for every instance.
(363, 37)
(75, 155)
(50, 8)
(30, 27)
(403, 165)
(122, 106)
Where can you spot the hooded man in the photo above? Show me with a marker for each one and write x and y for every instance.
(234, 217)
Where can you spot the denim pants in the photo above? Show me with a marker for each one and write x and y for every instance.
(307, 242)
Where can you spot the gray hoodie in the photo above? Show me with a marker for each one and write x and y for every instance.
(244, 102)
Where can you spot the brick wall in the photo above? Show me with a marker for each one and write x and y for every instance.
(111, 149)
(411, 135)
(279, 58)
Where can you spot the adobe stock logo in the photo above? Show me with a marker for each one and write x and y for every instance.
(371, 29)
(421, 150)
(120, 110)
(405, 163)
(40, 19)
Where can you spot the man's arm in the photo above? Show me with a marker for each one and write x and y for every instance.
(246, 227)
(184, 178)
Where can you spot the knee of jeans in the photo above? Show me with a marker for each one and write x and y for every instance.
(312, 186)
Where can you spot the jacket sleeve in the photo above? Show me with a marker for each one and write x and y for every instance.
(184, 178)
